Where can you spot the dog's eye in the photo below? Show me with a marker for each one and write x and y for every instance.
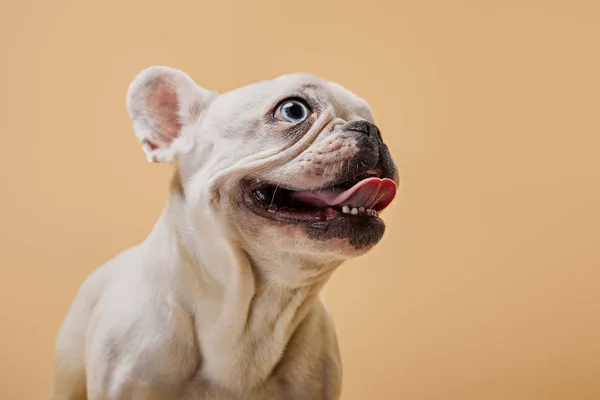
(293, 111)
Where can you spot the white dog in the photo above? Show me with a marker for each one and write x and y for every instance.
(276, 184)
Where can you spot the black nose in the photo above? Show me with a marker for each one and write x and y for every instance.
(365, 127)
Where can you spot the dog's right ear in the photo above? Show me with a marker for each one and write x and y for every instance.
(164, 104)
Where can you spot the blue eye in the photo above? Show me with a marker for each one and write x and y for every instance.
(293, 111)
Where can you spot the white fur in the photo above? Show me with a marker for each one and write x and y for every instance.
(207, 307)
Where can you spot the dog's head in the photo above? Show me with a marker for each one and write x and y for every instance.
(294, 165)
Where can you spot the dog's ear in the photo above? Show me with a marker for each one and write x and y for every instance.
(164, 104)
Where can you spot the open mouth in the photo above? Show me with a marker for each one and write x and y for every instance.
(363, 197)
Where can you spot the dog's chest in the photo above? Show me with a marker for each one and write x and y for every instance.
(310, 369)
(275, 388)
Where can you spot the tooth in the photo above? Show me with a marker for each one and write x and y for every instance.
(346, 210)
(362, 210)
(354, 211)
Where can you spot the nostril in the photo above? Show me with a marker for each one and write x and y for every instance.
(378, 133)
(363, 127)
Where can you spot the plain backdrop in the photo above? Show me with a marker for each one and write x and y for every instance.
(487, 284)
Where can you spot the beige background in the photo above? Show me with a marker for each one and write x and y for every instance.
(487, 285)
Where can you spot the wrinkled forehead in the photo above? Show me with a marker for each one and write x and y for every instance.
(263, 96)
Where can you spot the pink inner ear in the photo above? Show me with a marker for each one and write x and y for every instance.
(164, 104)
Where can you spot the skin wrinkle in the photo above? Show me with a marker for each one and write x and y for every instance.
(257, 163)
(325, 378)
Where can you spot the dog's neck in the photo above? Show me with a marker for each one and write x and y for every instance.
(243, 319)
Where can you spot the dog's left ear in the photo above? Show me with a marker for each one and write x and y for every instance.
(164, 104)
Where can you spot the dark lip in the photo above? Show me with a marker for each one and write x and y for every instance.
(313, 216)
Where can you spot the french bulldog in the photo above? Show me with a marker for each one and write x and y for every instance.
(275, 185)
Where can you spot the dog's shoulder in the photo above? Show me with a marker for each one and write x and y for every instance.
(91, 290)
(140, 331)
(139, 298)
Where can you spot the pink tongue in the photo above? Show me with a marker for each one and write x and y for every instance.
(372, 193)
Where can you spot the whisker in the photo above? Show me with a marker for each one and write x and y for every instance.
(335, 169)
(324, 176)
(274, 192)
